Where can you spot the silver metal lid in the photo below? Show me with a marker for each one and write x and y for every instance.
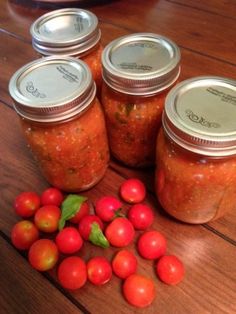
(52, 89)
(67, 31)
(200, 116)
(141, 63)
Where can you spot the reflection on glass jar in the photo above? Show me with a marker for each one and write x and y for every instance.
(138, 70)
(63, 122)
(196, 150)
(70, 32)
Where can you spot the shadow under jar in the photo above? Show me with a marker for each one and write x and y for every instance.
(70, 32)
(196, 150)
(138, 71)
(62, 121)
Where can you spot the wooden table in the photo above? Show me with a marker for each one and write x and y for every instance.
(206, 33)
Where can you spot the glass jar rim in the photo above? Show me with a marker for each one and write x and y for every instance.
(78, 35)
(199, 115)
(52, 89)
(141, 63)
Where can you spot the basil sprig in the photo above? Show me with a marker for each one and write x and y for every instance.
(97, 237)
(69, 208)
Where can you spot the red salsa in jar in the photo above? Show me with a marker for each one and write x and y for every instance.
(133, 123)
(63, 122)
(138, 70)
(70, 32)
(196, 150)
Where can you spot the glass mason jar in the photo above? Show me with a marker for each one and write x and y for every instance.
(70, 32)
(62, 121)
(138, 71)
(196, 150)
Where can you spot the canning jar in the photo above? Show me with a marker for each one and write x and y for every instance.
(196, 150)
(70, 32)
(138, 71)
(62, 121)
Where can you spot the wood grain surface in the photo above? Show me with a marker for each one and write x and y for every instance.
(205, 32)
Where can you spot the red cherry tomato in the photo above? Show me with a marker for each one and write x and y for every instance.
(120, 232)
(52, 196)
(43, 254)
(83, 211)
(26, 204)
(91, 228)
(152, 245)
(124, 264)
(47, 217)
(107, 207)
(170, 269)
(72, 273)
(85, 225)
(133, 191)
(141, 216)
(24, 234)
(99, 270)
(69, 240)
(139, 290)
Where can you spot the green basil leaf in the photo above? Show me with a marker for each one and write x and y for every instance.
(69, 208)
(97, 237)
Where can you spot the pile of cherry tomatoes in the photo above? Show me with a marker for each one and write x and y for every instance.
(70, 217)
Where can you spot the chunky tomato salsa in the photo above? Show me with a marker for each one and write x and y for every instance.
(73, 155)
(194, 188)
(132, 124)
(93, 60)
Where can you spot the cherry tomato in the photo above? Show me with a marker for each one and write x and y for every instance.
(141, 216)
(170, 269)
(152, 245)
(85, 225)
(108, 207)
(26, 204)
(69, 240)
(91, 228)
(120, 232)
(72, 273)
(24, 234)
(43, 254)
(52, 196)
(47, 217)
(83, 211)
(124, 264)
(133, 191)
(139, 290)
(99, 270)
